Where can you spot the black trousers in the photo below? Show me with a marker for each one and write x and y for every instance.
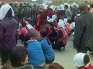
(82, 49)
(22, 37)
(58, 45)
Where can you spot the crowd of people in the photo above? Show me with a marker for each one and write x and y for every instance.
(42, 31)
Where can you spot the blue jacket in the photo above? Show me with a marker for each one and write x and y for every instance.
(35, 53)
(47, 49)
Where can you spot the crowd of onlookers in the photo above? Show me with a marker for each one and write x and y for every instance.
(41, 31)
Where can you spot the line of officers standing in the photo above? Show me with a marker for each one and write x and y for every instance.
(25, 10)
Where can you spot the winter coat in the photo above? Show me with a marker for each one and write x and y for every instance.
(8, 32)
(84, 30)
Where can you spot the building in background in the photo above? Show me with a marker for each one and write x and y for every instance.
(11, 0)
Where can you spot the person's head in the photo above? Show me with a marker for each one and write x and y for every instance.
(18, 56)
(81, 59)
(33, 35)
(91, 5)
(43, 33)
(83, 6)
(0, 4)
(50, 25)
(55, 66)
(6, 11)
(66, 7)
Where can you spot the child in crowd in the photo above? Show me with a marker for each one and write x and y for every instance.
(26, 27)
(81, 61)
(34, 49)
(46, 47)
(55, 66)
(18, 58)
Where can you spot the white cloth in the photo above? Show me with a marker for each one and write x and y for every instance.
(3, 11)
(52, 7)
(79, 60)
(65, 3)
(57, 8)
(73, 4)
(54, 17)
(50, 20)
(45, 6)
(88, 6)
(72, 25)
(29, 26)
(78, 14)
(61, 23)
(62, 7)
(65, 20)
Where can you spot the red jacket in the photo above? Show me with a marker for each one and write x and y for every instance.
(63, 38)
(89, 67)
(38, 22)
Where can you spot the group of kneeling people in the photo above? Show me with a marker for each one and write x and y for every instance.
(38, 52)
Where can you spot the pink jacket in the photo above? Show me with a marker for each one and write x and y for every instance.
(23, 31)
(91, 10)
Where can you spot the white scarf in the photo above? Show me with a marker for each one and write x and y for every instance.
(79, 60)
(61, 23)
(3, 11)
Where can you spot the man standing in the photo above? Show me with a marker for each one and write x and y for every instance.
(8, 31)
(83, 37)
(68, 13)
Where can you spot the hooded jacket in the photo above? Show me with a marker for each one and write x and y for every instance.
(8, 28)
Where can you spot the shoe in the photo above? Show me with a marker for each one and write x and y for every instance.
(61, 49)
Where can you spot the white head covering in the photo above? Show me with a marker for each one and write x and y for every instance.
(62, 7)
(72, 25)
(57, 7)
(52, 7)
(50, 20)
(3, 11)
(61, 23)
(79, 60)
(45, 6)
(73, 4)
(54, 17)
(65, 3)
(88, 6)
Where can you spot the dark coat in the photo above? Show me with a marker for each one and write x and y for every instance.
(8, 31)
(9, 66)
(84, 30)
